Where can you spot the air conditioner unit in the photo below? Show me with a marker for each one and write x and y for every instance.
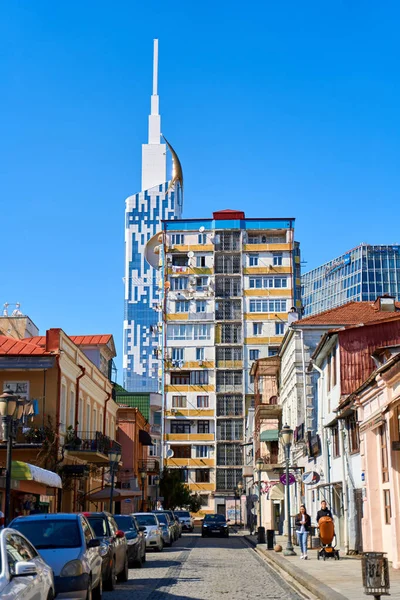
(200, 362)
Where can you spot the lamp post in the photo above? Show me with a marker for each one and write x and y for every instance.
(143, 476)
(240, 488)
(286, 435)
(156, 482)
(12, 409)
(261, 529)
(114, 456)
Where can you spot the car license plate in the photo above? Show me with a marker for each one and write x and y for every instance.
(215, 530)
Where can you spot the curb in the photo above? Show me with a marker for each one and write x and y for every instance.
(310, 583)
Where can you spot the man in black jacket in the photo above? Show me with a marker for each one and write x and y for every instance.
(324, 511)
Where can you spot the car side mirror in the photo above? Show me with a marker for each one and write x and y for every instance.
(120, 534)
(93, 543)
(24, 568)
(142, 528)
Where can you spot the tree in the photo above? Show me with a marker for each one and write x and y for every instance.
(195, 503)
(176, 494)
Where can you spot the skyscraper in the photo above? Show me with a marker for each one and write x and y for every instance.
(361, 274)
(144, 212)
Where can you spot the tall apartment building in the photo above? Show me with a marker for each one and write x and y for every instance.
(143, 215)
(362, 274)
(231, 282)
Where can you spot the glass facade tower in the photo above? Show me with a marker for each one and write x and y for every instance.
(362, 274)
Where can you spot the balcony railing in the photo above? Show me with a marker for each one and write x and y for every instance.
(149, 465)
(201, 316)
(90, 441)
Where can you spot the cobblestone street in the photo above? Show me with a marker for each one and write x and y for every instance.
(203, 569)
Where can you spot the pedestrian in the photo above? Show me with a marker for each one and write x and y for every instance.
(303, 522)
(323, 511)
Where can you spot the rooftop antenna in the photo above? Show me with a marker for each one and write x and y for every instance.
(5, 309)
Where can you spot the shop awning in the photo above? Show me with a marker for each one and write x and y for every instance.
(22, 471)
(270, 435)
(145, 438)
(118, 494)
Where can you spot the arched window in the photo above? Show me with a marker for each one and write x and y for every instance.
(72, 407)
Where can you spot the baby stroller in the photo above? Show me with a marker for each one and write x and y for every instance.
(327, 537)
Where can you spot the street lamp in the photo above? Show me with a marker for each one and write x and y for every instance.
(143, 476)
(261, 529)
(240, 488)
(156, 481)
(114, 457)
(287, 435)
(12, 409)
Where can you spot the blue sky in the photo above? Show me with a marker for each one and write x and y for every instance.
(284, 109)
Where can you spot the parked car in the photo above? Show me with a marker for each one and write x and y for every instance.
(114, 549)
(172, 524)
(151, 527)
(23, 573)
(167, 527)
(215, 525)
(134, 538)
(179, 524)
(66, 542)
(186, 519)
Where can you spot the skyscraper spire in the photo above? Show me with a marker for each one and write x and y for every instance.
(154, 160)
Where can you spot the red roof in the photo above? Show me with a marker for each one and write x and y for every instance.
(352, 313)
(91, 340)
(11, 346)
(228, 213)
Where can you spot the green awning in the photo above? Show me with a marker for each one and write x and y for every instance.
(270, 435)
(22, 471)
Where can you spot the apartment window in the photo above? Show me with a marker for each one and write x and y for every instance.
(280, 282)
(179, 283)
(182, 306)
(179, 260)
(199, 353)
(182, 451)
(72, 408)
(201, 306)
(203, 426)
(253, 260)
(200, 261)
(184, 475)
(266, 306)
(251, 379)
(180, 427)
(267, 282)
(177, 354)
(335, 441)
(257, 328)
(202, 238)
(328, 379)
(202, 402)
(254, 354)
(388, 507)
(279, 328)
(202, 451)
(198, 377)
(179, 401)
(256, 282)
(384, 454)
(253, 239)
(277, 259)
(177, 239)
(180, 378)
(188, 332)
(201, 283)
(202, 475)
(273, 350)
(354, 435)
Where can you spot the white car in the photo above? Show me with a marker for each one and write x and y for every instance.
(151, 527)
(23, 573)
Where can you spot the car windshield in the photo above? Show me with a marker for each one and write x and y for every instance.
(145, 520)
(44, 533)
(163, 518)
(214, 519)
(183, 513)
(99, 525)
(124, 523)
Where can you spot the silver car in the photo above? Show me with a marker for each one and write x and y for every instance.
(151, 527)
(186, 519)
(167, 527)
(23, 573)
(67, 544)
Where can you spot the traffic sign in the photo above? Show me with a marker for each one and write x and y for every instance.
(292, 479)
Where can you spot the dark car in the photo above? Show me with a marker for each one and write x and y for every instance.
(113, 547)
(176, 529)
(215, 525)
(134, 538)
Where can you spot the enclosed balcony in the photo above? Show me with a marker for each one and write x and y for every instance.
(90, 446)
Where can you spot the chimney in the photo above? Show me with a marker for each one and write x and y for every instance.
(53, 340)
(385, 304)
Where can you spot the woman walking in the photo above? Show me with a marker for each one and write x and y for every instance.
(303, 523)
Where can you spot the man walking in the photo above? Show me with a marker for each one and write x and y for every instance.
(324, 511)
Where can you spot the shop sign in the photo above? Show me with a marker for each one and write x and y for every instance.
(396, 446)
(338, 264)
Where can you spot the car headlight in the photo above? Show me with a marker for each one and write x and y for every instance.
(225, 525)
(156, 532)
(72, 568)
(103, 549)
(205, 525)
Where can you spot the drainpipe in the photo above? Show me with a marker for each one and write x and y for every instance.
(303, 364)
(324, 437)
(83, 371)
(57, 427)
(344, 486)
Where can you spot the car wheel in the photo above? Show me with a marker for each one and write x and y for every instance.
(98, 592)
(144, 557)
(124, 575)
(139, 562)
(50, 595)
(112, 578)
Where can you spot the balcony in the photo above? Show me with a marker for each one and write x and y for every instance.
(268, 411)
(201, 316)
(91, 446)
(151, 466)
(190, 437)
(192, 463)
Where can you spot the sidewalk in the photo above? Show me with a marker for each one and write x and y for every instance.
(329, 580)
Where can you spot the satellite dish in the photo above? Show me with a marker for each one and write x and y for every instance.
(201, 229)
(190, 254)
(170, 453)
(152, 251)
